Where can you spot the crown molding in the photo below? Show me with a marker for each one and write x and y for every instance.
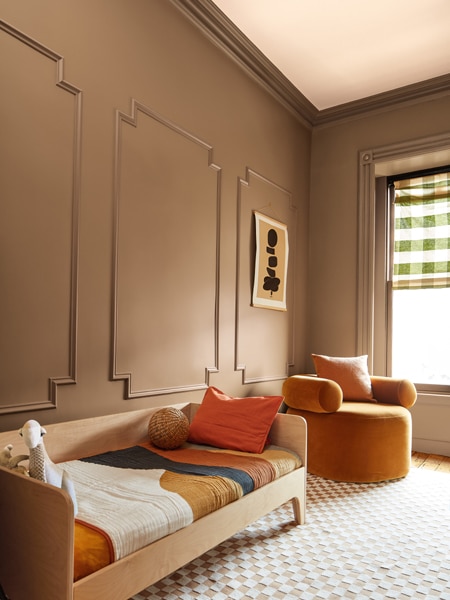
(223, 33)
(430, 89)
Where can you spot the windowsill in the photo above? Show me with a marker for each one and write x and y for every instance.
(433, 398)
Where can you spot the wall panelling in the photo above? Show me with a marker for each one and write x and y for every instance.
(40, 116)
(264, 337)
(167, 201)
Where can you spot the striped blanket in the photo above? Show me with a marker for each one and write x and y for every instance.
(129, 498)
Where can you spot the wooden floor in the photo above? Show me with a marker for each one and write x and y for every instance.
(430, 461)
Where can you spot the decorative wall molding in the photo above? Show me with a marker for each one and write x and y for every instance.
(59, 63)
(70, 377)
(206, 15)
(406, 149)
(275, 323)
(202, 381)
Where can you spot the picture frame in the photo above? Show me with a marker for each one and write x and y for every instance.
(271, 263)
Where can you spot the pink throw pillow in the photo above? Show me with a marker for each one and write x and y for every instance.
(350, 373)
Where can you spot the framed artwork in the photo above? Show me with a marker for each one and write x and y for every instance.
(271, 262)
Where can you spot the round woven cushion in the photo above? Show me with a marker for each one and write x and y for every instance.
(168, 428)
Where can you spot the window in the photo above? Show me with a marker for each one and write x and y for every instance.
(418, 277)
(374, 293)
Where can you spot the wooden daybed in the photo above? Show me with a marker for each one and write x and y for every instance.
(37, 520)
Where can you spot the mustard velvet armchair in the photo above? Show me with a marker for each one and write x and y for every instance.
(354, 441)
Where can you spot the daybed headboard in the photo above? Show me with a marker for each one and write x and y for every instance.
(85, 437)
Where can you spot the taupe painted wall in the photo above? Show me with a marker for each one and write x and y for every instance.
(179, 140)
(333, 282)
(133, 153)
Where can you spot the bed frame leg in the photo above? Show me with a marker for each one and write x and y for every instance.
(299, 511)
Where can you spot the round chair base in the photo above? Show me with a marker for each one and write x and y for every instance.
(361, 442)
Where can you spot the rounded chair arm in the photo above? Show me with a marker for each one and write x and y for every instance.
(390, 390)
(308, 392)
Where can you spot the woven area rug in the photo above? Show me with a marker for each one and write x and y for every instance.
(377, 541)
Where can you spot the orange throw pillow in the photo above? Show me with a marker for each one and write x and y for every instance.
(351, 373)
(234, 423)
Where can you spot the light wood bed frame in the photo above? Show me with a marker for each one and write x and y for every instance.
(36, 519)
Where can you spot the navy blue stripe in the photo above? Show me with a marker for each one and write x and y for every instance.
(138, 457)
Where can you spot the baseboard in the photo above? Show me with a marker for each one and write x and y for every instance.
(431, 446)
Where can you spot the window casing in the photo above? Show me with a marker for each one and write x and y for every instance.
(376, 163)
(412, 280)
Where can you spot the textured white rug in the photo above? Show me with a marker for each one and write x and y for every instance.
(376, 541)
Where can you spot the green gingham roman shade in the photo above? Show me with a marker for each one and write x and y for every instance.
(422, 232)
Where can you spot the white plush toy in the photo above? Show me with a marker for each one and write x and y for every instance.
(12, 462)
(41, 465)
